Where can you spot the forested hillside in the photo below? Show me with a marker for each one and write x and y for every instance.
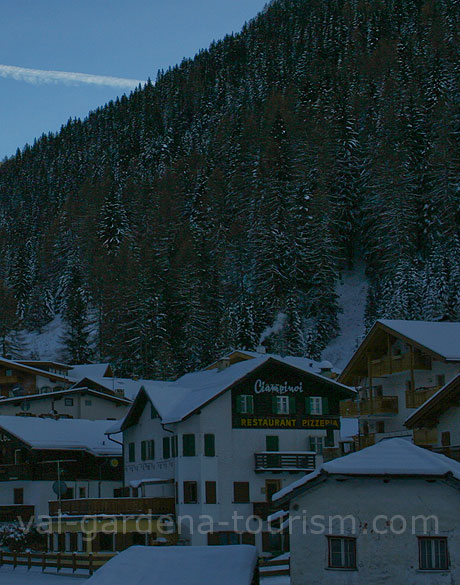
(226, 197)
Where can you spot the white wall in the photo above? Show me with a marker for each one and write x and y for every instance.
(389, 558)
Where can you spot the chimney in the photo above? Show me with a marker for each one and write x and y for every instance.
(326, 369)
(223, 363)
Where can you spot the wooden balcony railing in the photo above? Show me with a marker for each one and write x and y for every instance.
(378, 405)
(285, 461)
(349, 408)
(399, 363)
(416, 398)
(425, 437)
(15, 512)
(113, 506)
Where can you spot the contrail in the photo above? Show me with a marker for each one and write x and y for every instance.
(38, 76)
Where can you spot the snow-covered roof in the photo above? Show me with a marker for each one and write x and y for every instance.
(174, 401)
(395, 457)
(31, 370)
(129, 387)
(68, 434)
(179, 565)
(67, 391)
(440, 337)
(81, 371)
(349, 427)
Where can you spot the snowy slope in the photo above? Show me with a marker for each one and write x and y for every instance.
(45, 344)
(352, 293)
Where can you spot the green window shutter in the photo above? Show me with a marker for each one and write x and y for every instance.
(275, 404)
(239, 404)
(250, 404)
(292, 408)
(307, 405)
(325, 405)
(143, 450)
(166, 448)
(132, 452)
(188, 445)
(209, 446)
(272, 443)
(152, 449)
(174, 446)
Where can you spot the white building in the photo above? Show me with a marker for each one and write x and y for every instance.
(387, 514)
(223, 440)
(69, 403)
(38, 455)
(398, 366)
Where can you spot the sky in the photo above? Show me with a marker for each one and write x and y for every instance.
(113, 43)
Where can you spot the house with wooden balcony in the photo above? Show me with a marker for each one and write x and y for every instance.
(435, 424)
(222, 440)
(398, 367)
(48, 459)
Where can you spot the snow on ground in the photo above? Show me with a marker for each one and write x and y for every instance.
(45, 344)
(352, 293)
(21, 576)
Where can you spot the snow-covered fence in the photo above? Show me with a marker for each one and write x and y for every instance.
(48, 560)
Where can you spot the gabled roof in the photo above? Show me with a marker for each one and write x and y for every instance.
(442, 400)
(62, 434)
(79, 390)
(130, 387)
(390, 457)
(81, 371)
(441, 340)
(10, 364)
(175, 401)
(39, 363)
(180, 565)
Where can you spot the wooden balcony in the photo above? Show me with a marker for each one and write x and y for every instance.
(425, 437)
(285, 461)
(399, 363)
(416, 398)
(15, 512)
(349, 408)
(9, 380)
(379, 405)
(113, 506)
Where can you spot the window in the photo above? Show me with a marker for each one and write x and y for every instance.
(284, 404)
(174, 446)
(342, 552)
(329, 439)
(245, 404)
(211, 492)
(166, 448)
(147, 450)
(88, 402)
(440, 379)
(188, 445)
(131, 452)
(316, 445)
(433, 553)
(241, 492)
(19, 495)
(82, 492)
(380, 426)
(8, 373)
(209, 445)
(68, 401)
(271, 487)
(272, 443)
(316, 405)
(190, 492)
(445, 439)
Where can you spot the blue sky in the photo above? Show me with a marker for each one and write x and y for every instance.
(129, 39)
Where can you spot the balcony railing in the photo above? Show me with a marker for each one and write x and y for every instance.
(285, 461)
(113, 506)
(425, 437)
(367, 406)
(15, 512)
(399, 363)
(416, 398)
